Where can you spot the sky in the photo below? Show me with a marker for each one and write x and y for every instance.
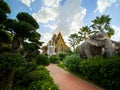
(67, 16)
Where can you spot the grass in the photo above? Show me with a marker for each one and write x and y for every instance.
(62, 66)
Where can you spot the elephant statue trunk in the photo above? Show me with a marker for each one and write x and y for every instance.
(116, 46)
(109, 49)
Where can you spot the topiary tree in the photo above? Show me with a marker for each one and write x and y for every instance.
(4, 9)
(23, 28)
(30, 48)
(9, 62)
(5, 37)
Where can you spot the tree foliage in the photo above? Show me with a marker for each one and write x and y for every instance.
(23, 16)
(9, 62)
(84, 32)
(20, 34)
(99, 24)
(4, 6)
(102, 24)
(22, 29)
(74, 40)
(4, 9)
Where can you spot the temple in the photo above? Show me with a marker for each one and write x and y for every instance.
(55, 45)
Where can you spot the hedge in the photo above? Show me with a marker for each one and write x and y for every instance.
(104, 72)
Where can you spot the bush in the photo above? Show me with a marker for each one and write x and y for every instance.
(36, 79)
(62, 56)
(54, 59)
(42, 81)
(69, 51)
(104, 72)
(42, 60)
(16, 74)
(72, 62)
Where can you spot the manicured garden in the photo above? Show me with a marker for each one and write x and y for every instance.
(22, 66)
(101, 71)
(23, 75)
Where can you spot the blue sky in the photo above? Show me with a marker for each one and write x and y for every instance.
(67, 16)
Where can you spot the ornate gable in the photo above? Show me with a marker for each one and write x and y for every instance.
(60, 44)
(56, 45)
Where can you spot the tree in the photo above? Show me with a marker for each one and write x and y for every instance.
(5, 40)
(21, 34)
(5, 37)
(9, 62)
(4, 9)
(30, 48)
(84, 32)
(74, 40)
(102, 24)
(23, 28)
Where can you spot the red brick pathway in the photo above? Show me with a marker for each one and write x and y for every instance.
(68, 81)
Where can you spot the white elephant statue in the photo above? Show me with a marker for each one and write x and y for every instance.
(94, 46)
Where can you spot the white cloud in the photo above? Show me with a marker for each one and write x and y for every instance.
(46, 14)
(68, 17)
(45, 37)
(51, 3)
(116, 36)
(71, 17)
(103, 4)
(51, 26)
(27, 2)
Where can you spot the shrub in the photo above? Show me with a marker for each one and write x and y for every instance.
(43, 81)
(62, 56)
(104, 72)
(42, 60)
(36, 79)
(69, 51)
(72, 62)
(54, 59)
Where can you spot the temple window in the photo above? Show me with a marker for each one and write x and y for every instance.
(61, 48)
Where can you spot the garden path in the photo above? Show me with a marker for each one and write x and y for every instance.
(68, 81)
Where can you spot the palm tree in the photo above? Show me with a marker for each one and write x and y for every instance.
(102, 24)
(74, 40)
(85, 32)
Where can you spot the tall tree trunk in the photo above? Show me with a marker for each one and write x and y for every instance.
(25, 54)
(17, 43)
(0, 46)
(8, 81)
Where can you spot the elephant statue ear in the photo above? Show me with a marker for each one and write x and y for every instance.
(99, 36)
(92, 42)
